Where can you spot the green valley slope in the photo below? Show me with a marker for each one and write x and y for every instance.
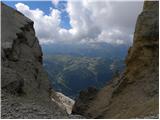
(70, 74)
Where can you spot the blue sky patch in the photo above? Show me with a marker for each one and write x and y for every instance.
(45, 7)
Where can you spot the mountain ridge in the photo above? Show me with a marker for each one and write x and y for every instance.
(135, 93)
(25, 88)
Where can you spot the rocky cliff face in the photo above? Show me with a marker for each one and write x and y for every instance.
(135, 93)
(25, 86)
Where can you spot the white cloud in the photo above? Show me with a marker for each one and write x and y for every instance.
(46, 26)
(91, 21)
(55, 2)
(105, 21)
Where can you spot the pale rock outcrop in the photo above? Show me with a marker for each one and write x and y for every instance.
(63, 101)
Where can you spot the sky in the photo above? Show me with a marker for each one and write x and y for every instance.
(82, 21)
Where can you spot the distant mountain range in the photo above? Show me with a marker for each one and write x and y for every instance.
(74, 67)
(103, 50)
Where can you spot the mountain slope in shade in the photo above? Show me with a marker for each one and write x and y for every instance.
(70, 74)
(135, 93)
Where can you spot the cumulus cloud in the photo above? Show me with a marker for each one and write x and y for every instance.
(91, 21)
(55, 2)
(46, 26)
(104, 21)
